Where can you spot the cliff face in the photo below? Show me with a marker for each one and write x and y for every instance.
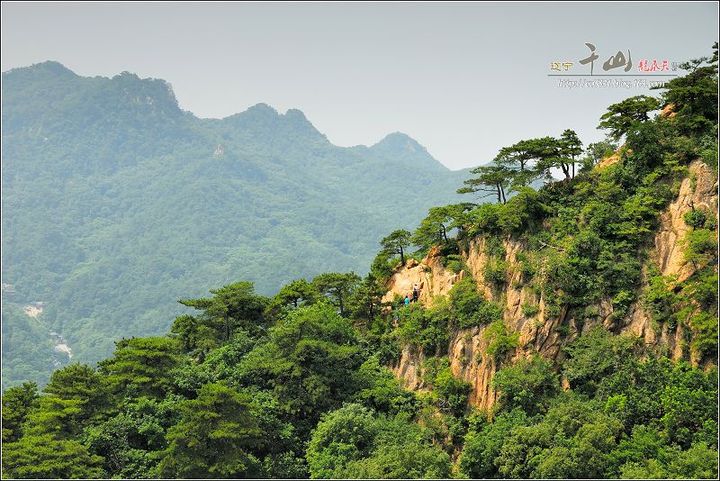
(699, 191)
(539, 331)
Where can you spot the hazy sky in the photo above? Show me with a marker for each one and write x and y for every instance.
(462, 79)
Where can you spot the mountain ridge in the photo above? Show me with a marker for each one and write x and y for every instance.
(391, 141)
(101, 174)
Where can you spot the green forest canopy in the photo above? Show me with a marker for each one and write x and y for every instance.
(297, 386)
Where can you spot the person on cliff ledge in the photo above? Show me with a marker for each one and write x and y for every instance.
(407, 300)
(415, 293)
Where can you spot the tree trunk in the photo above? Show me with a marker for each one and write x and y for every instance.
(566, 170)
(402, 256)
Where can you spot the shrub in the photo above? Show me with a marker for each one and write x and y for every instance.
(500, 342)
(494, 272)
(494, 247)
(695, 219)
(700, 247)
(527, 269)
(427, 329)
(465, 299)
(528, 384)
(469, 307)
(452, 393)
(453, 262)
(659, 299)
(529, 310)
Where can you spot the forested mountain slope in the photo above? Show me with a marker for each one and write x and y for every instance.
(116, 203)
(564, 332)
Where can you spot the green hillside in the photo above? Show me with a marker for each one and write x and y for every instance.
(568, 332)
(116, 203)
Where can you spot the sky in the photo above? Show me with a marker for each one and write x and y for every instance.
(463, 79)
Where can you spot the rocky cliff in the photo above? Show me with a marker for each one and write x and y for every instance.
(524, 310)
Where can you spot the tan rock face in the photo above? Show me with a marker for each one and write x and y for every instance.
(539, 333)
(430, 275)
(469, 362)
(698, 191)
(409, 369)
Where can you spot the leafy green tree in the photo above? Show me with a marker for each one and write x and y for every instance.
(340, 437)
(17, 402)
(700, 248)
(235, 306)
(366, 300)
(698, 462)
(433, 230)
(694, 96)
(555, 153)
(689, 405)
(195, 336)
(528, 384)
(142, 366)
(296, 293)
(411, 460)
(337, 286)
(575, 439)
(526, 159)
(80, 382)
(518, 156)
(494, 179)
(396, 242)
(353, 442)
(469, 307)
(47, 457)
(594, 356)
(588, 454)
(425, 329)
(452, 393)
(622, 116)
(213, 438)
(381, 391)
(63, 418)
(484, 441)
(132, 442)
(308, 361)
(500, 341)
(570, 149)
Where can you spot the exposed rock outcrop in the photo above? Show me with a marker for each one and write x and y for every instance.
(697, 191)
(539, 331)
(429, 274)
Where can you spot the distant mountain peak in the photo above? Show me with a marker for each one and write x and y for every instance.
(262, 108)
(401, 147)
(296, 115)
(399, 141)
(49, 67)
(263, 116)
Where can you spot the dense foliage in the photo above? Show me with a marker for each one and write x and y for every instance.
(297, 385)
(116, 202)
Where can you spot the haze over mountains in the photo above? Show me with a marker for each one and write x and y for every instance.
(116, 203)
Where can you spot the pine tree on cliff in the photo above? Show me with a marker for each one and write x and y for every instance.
(396, 243)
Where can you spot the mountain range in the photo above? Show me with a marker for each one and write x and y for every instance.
(116, 202)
